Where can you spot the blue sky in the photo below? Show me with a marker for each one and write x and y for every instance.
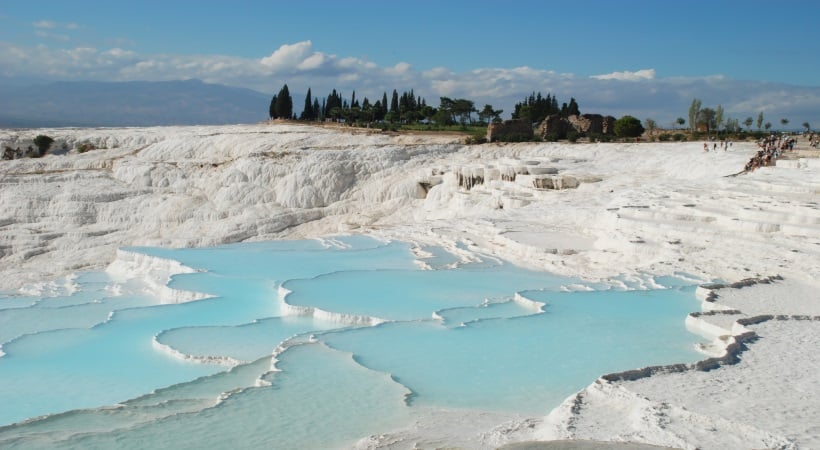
(608, 55)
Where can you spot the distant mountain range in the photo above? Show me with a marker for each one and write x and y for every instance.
(133, 103)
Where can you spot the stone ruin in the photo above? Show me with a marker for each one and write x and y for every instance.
(593, 123)
(583, 124)
(509, 131)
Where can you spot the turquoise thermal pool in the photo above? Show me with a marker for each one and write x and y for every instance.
(312, 344)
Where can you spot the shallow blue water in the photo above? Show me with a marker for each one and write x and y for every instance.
(236, 368)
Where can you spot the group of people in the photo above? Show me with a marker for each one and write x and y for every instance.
(770, 148)
(724, 145)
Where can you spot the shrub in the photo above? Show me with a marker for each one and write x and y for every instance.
(551, 137)
(476, 138)
(599, 137)
(679, 137)
(572, 136)
(665, 137)
(85, 146)
(43, 143)
(628, 126)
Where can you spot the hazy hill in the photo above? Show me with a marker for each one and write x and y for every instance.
(135, 103)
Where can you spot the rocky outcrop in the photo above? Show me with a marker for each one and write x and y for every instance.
(509, 131)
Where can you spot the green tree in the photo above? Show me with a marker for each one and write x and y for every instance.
(443, 117)
(317, 110)
(708, 117)
(680, 121)
(394, 107)
(489, 114)
(572, 109)
(428, 112)
(283, 107)
(759, 120)
(718, 118)
(536, 108)
(767, 126)
(43, 143)
(732, 125)
(464, 109)
(748, 122)
(628, 126)
(307, 111)
(272, 107)
(694, 114)
(651, 125)
(784, 122)
(333, 106)
(807, 126)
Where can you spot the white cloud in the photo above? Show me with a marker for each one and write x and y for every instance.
(289, 56)
(46, 24)
(54, 36)
(401, 68)
(119, 53)
(645, 74)
(52, 25)
(312, 62)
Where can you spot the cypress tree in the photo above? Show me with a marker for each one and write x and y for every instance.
(572, 109)
(378, 111)
(307, 112)
(284, 103)
(394, 103)
(272, 107)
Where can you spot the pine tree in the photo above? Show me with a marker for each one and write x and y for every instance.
(384, 103)
(572, 109)
(378, 111)
(272, 107)
(307, 112)
(284, 104)
(317, 110)
(394, 102)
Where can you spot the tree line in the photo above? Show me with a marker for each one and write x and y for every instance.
(710, 120)
(536, 108)
(408, 108)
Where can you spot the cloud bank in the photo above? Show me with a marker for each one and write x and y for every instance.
(640, 93)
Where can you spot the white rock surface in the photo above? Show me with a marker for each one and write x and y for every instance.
(638, 211)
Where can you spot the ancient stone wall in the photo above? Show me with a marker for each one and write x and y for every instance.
(587, 123)
(554, 124)
(583, 124)
(608, 125)
(509, 131)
